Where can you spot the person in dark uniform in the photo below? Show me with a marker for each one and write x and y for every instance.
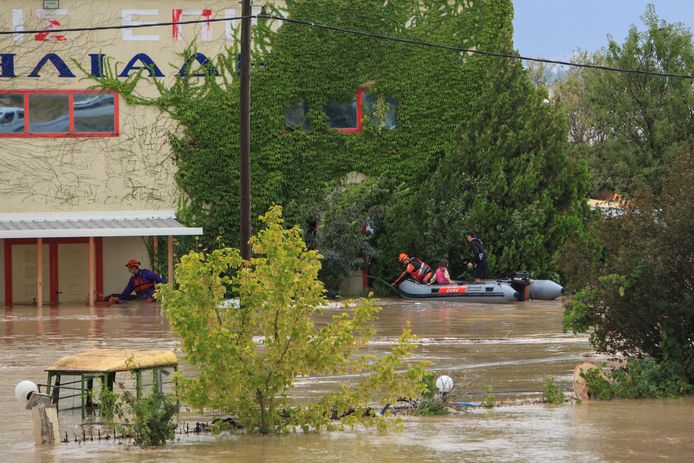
(479, 256)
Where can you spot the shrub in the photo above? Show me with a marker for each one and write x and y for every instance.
(552, 393)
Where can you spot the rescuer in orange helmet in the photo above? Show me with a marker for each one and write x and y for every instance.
(143, 282)
(415, 269)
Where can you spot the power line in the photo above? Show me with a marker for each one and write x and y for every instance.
(473, 51)
(362, 34)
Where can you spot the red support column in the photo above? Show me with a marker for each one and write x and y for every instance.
(99, 265)
(92, 272)
(53, 272)
(8, 273)
(39, 272)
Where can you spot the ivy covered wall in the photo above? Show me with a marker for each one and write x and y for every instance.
(438, 95)
(435, 90)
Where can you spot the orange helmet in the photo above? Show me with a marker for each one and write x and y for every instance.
(132, 263)
(403, 258)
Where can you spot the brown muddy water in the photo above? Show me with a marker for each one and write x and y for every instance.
(509, 349)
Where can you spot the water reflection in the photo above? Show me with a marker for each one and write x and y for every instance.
(510, 347)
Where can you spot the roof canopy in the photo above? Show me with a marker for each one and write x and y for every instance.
(87, 224)
(105, 360)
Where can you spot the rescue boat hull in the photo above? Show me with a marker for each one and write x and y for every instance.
(496, 292)
(487, 291)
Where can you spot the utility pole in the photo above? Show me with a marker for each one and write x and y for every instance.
(245, 130)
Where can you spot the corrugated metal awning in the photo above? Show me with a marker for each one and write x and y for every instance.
(86, 224)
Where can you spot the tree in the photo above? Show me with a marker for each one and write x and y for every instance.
(640, 302)
(278, 292)
(349, 222)
(636, 120)
(509, 178)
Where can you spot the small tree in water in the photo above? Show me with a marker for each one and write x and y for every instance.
(279, 292)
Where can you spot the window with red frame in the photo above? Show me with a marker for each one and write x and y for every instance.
(346, 117)
(54, 113)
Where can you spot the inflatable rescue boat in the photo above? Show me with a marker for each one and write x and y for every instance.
(517, 288)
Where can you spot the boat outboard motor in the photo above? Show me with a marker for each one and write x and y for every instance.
(520, 281)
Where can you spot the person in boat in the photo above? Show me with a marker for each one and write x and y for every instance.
(143, 282)
(442, 276)
(415, 269)
(479, 256)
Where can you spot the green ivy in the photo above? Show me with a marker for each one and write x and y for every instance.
(438, 94)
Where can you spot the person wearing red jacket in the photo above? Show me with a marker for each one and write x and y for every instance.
(415, 269)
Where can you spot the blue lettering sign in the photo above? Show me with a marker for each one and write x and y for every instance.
(148, 63)
(206, 65)
(57, 62)
(7, 65)
(97, 60)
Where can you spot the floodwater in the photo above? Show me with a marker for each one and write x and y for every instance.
(509, 349)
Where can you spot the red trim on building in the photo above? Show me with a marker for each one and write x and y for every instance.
(71, 109)
(99, 258)
(357, 129)
(116, 110)
(53, 276)
(71, 106)
(8, 274)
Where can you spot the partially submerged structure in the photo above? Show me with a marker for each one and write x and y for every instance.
(77, 382)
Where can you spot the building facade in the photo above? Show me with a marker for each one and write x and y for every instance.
(86, 179)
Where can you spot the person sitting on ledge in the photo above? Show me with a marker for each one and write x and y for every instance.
(143, 281)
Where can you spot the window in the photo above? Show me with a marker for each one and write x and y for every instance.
(296, 116)
(345, 117)
(11, 114)
(49, 113)
(380, 109)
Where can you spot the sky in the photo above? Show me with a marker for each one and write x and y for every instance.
(554, 29)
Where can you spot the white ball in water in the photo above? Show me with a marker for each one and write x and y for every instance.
(22, 390)
(444, 383)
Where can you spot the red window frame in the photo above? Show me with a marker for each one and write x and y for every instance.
(356, 129)
(71, 99)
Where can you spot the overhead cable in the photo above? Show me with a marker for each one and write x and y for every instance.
(362, 34)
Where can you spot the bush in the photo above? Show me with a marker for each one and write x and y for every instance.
(149, 420)
(489, 400)
(640, 301)
(599, 387)
(431, 402)
(552, 393)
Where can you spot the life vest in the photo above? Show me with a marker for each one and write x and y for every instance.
(140, 285)
(422, 272)
(478, 253)
(442, 276)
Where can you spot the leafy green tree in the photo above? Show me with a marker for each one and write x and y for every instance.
(509, 178)
(348, 225)
(640, 300)
(630, 124)
(279, 292)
